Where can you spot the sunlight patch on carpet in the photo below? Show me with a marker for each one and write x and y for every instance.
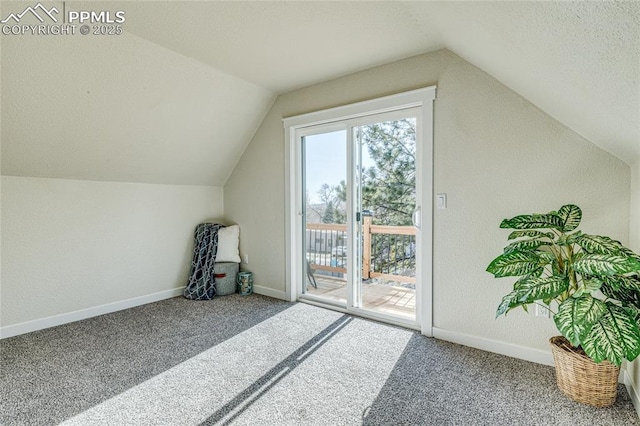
(305, 364)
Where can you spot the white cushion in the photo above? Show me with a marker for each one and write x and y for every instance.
(228, 240)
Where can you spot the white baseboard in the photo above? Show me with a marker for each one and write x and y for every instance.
(633, 391)
(495, 346)
(42, 323)
(269, 292)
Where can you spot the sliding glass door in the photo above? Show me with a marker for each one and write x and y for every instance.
(358, 183)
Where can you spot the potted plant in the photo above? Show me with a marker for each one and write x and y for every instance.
(589, 283)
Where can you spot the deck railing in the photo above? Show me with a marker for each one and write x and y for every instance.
(388, 252)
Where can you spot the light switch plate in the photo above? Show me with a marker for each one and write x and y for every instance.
(441, 200)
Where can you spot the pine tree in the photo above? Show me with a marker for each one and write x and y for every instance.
(389, 190)
(388, 187)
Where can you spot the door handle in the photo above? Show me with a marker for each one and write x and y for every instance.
(416, 217)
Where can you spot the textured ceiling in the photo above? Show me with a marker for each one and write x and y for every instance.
(178, 97)
(577, 61)
(285, 45)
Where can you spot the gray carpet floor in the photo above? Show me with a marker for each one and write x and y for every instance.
(259, 361)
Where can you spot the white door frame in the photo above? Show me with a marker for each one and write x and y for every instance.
(422, 98)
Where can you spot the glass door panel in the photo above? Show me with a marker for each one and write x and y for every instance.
(324, 190)
(386, 180)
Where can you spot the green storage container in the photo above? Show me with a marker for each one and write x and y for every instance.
(226, 273)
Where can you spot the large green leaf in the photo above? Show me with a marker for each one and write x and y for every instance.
(532, 221)
(568, 239)
(548, 258)
(570, 215)
(533, 289)
(525, 245)
(530, 233)
(576, 317)
(587, 286)
(605, 264)
(629, 298)
(624, 289)
(615, 337)
(538, 272)
(630, 253)
(512, 299)
(509, 302)
(514, 264)
(545, 256)
(599, 245)
(620, 281)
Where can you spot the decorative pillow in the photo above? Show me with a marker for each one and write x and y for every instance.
(228, 240)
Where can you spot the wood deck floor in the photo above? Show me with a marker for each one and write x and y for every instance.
(377, 297)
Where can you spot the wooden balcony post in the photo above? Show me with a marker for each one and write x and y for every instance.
(366, 247)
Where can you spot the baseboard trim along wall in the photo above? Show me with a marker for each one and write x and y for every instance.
(633, 391)
(521, 352)
(269, 292)
(495, 346)
(42, 323)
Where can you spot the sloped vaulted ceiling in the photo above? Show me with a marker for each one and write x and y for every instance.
(178, 96)
(577, 61)
(121, 108)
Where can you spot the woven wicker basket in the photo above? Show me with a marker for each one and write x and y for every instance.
(580, 378)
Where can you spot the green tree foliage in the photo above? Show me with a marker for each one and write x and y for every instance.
(389, 186)
(388, 191)
(333, 198)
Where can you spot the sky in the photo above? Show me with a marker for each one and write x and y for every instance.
(326, 161)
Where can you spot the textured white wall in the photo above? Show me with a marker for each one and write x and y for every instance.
(634, 244)
(121, 109)
(68, 245)
(496, 155)
(635, 207)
